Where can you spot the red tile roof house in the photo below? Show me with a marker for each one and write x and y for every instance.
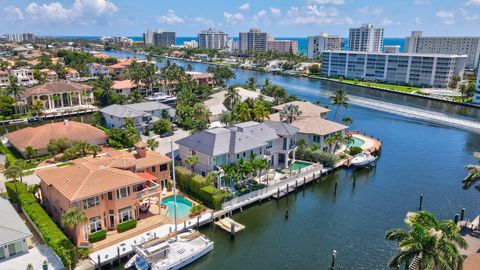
(39, 137)
(109, 189)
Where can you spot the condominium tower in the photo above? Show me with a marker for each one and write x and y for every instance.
(148, 37)
(323, 42)
(476, 97)
(470, 46)
(283, 46)
(163, 39)
(212, 39)
(253, 40)
(423, 70)
(365, 39)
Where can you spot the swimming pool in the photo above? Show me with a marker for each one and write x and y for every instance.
(356, 142)
(297, 165)
(183, 207)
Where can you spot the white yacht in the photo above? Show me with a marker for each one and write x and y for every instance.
(362, 159)
(173, 253)
(162, 98)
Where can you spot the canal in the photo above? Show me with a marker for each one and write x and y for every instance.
(418, 157)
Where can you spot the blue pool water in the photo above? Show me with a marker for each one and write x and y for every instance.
(356, 142)
(183, 206)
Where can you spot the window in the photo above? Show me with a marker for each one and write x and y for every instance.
(153, 168)
(163, 167)
(123, 192)
(91, 202)
(269, 144)
(2, 253)
(95, 224)
(125, 214)
(15, 248)
(76, 204)
(110, 196)
(316, 138)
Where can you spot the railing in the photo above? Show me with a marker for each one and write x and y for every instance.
(147, 191)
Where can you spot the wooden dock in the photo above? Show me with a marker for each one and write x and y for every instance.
(283, 192)
(229, 225)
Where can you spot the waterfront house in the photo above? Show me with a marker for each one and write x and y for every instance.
(63, 95)
(109, 189)
(13, 232)
(306, 108)
(50, 75)
(202, 79)
(4, 78)
(71, 74)
(144, 114)
(216, 106)
(117, 69)
(123, 87)
(95, 70)
(39, 137)
(217, 146)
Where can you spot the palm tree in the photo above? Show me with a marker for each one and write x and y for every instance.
(192, 161)
(290, 112)
(251, 83)
(474, 174)
(152, 143)
(14, 89)
(232, 98)
(302, 144)
(339, 98)
(201, 112)
(335, 140)
(226, 118)
(433, 243)
(347, 120)
(463, 90)
(260, 111)
(72, 218)
(243, 113)
(211, 178)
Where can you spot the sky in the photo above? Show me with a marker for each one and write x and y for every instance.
(281, 18)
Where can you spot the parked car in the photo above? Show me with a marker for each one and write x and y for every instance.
(174, 127)
(166, 134)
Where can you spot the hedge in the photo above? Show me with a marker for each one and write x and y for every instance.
(52, 235)
(127, 225)
(9, 156)
(97, 236)
(196, 186)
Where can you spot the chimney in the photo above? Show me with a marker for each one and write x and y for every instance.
(141, 149)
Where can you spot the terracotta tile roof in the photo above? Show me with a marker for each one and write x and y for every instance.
(147, 176)
(307, 108)
(71, 70)
(200, 75)
(3, 72)
(85, 180)
(124, 84)
(39, 137)
(55, 87)
(317, 125)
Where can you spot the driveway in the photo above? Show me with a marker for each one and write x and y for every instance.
(164, 143)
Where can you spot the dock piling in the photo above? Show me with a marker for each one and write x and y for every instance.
(118, 254)
(335, 190)
(462, 214)
(278, 193)
(421, 203)
(99, 264)
(287, 188)
(232, 231)
(286, 214)
(184, 225)
(296, 185)
(456, 219)
(198, 222)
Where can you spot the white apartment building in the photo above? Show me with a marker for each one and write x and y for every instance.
(253, 40)
(423, 70)
(470, 46)
(24, 76)
(323, 42)
(148, 37)
(212, 39)
(476, 97)
(365, 39)
(283, 46)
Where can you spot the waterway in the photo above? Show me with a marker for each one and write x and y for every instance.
(418, 157)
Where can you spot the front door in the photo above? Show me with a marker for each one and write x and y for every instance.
(111, 216)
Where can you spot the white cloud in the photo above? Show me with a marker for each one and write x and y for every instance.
(170, 18)
(275, 11)
(447, 17)
(473, 2)
(13, 13)
(245, 6)
(313, 14)
(418, 21)
(326, 2)
(233, 18)
(386, 22)
(260, 15)
(81, 11)
(368, 11)
(466, 16)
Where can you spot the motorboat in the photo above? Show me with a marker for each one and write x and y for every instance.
(362, 159)
(175, 252)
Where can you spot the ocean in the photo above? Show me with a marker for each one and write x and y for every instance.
(302, 42)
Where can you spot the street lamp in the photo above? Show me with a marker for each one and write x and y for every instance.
(334, 255)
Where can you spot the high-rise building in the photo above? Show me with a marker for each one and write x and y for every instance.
(283, 46)
(365, 39)
(148, 37)
(212, 39)
(323, 42)
(416, 43)
(423, 70)
(21, 37)
(253, 40)
(164, 39)
(476, 97)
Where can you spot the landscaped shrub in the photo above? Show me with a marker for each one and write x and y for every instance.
(97, 236)
(354, 150)
(196, 186)
(52, 235)
(327, 159)
(9, 156)
(127, 225)
(197, 209)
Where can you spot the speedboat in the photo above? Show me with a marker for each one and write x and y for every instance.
(362, 159)
(172, 253)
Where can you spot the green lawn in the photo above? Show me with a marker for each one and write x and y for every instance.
(402, 88)
(221, 63)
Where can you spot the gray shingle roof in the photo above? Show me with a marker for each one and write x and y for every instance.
(148, 106)
(259, 131)
(12, 227)
(282, 128)
(218, 141)
(121, 111)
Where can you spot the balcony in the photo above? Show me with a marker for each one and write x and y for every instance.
(149, 189)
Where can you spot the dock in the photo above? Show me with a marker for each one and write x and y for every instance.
(283, 192)
(229, 225)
